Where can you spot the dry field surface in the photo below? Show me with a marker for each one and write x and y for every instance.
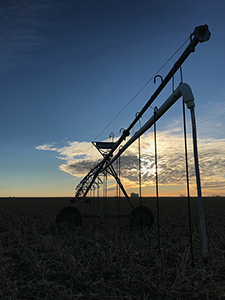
(109, 260)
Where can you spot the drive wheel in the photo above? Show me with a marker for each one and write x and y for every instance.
(142, 216)
(68, 218)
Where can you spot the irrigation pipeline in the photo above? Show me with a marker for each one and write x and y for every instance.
(200, 34)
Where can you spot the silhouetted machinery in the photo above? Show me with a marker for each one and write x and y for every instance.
(140, 215)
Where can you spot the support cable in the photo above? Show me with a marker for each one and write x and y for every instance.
(98, 195)
(187, 178)
(156, 179)
(117, 192)
(139, 165)
(105, 197)
(139, 171)
(119, 175)
(93, 198)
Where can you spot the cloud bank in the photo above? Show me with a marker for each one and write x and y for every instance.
(80, 157)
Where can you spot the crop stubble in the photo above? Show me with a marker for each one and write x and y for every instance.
(109, 261)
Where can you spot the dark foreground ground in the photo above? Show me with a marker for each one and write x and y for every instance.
(106, 259)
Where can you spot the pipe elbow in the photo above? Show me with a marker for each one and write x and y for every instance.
(187, 95)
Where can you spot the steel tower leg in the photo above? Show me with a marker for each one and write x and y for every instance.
(113, 173)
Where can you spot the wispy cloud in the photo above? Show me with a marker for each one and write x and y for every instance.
(22, 27)
(80, 157)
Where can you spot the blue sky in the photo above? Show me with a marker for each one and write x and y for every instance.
(69, 67)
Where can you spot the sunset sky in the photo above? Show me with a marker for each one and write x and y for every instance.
(68, 68)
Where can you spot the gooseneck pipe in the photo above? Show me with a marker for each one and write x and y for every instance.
(182, 90)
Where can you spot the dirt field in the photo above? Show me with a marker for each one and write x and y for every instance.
(107, 260)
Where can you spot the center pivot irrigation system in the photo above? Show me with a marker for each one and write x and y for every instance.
(141, 215)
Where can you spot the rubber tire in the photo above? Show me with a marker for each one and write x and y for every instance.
(142, 216)
(68, 218)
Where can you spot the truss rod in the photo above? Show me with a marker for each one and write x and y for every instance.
(120, 184)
